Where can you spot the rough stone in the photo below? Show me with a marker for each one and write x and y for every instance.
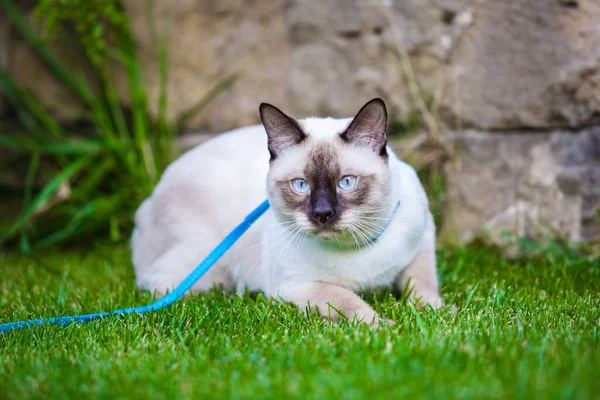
(209, 40)
(493, 64)
(523, 76)
(345, 52)
(531, 185)
(490, 64)
(527, 64)
(309, 58)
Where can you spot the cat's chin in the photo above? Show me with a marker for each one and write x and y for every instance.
(338, 236)
(330, 234)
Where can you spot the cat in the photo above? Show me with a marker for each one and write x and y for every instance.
(346, 215)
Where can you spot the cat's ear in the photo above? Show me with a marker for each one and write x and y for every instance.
(369, 127)
(283, 132)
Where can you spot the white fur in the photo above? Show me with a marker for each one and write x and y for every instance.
(210, 189)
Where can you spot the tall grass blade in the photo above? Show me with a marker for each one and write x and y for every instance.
(46, 193)
(18, 143)
(194, 110)
(29, 182)
(165, 133)
(22, 143)
(139, 116)
(14, 96)
(70, 229)
(72, 81)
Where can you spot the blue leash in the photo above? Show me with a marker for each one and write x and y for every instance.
(168, 299)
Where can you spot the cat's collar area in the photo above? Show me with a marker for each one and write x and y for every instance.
(357, 244)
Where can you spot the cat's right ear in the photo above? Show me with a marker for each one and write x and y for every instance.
(283, 132)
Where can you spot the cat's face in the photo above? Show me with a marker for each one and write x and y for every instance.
(329, 178)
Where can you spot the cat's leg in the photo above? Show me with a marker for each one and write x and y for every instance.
(172, 267)
(321, 295)
(173, 235)
(421, 274)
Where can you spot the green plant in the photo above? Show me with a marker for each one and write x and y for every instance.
(98, 173)
(90, 20)
(556, 250)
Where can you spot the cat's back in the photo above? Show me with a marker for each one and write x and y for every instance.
(231, 166)
(212, 185)
(240, 148)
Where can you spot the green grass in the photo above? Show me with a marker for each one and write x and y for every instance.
(527, 329)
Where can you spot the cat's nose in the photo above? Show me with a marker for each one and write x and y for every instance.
(323, 212)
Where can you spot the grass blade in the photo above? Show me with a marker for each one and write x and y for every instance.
(70, 229)
(14, 95)
(418, 319)
(67, 147)
(191, 112)
(18, 143)
(46, 193)
(31, 173)
(75, 83)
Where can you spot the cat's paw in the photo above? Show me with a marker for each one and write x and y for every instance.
(436, 302)
(378, 322)
(373, 320)
(388, 322)
(432, 300)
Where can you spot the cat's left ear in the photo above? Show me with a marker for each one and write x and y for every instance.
(283, 131)
(369, 127)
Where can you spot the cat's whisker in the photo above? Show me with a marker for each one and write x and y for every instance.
(366, 240)
(295, 243)
(287, 214)
(398, 217)
(337, 240)
(296, 232)
(374, 210)
(301, 240)
(363, 238)
(351, 231)
(372, 225)
(366, 224)
(262, 241)
(284, 223)
(375, 218)
(281, 238)
(369, 228)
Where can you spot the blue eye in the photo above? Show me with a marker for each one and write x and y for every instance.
(348, 182)
(300, 185)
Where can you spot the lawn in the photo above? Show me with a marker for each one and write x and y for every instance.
(524, 329)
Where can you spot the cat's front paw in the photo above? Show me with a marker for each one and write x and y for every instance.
(435, 302)
(384, 322)
(373, 319)
(432, 300)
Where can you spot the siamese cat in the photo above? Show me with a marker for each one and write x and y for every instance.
(346, 215)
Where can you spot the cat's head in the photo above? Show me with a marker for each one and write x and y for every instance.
(329, 177)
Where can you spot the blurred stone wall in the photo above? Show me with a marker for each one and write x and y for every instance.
(518, 86)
